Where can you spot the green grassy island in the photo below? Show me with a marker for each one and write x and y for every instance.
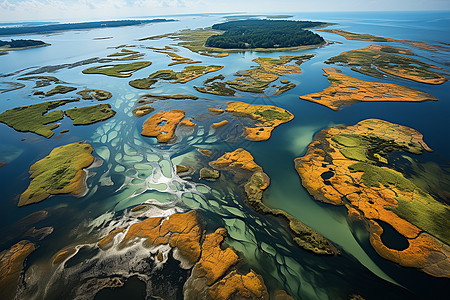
(91, 114)
(60, 89)
(60, 172)
(143, 83)
(41, 81)
(90, 94)
(215, 87)
(187, 74)
(35, 118)
(118, 70)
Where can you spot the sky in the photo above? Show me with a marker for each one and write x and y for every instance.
(59, 10)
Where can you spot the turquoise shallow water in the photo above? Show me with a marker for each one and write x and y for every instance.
(135, 169)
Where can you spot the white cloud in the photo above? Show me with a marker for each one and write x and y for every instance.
(6, 5)
(15, 10)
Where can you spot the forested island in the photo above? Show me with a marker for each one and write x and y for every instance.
(264, 34)
(20, 44)
(73, 26)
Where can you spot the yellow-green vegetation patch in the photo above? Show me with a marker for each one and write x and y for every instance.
(176, 59)
(61, 172)
(189, 73)
(426, 213)
(368, 37)
(284, 88)
(250, 86)
(214, 86)
(366, 148)
(150, 98)
(347, 90)
(129, 57)
(123, 52)
(431, 177)
(356, 36)
(256, 80)
(143, 110)
(195, 40)
(360, 178)
(118, 70)
(90, 94)
(35, 118)
(163, 74)
(377, 60)
(270, 115)
(142, 83)
(41, 81)
(60, 89)
(374, 176)
(90, 114)
(422, 210)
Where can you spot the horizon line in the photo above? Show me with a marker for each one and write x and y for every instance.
(226, 13)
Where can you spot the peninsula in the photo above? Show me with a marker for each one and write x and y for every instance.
(21, 44)
(368, 37)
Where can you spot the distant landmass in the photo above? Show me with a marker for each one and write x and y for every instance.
(246, 17)
(21, 44)
(16, 24)
(246, 34)
(74, 26)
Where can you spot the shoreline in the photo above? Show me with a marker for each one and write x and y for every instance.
(55, 28)
(195, 41)
(6, 49)
(296, 48)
